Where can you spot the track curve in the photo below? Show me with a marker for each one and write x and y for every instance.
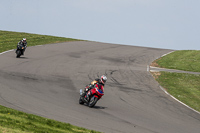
(46, 82)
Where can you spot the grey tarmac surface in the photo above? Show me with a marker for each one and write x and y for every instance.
(157, 69)
(46, 82)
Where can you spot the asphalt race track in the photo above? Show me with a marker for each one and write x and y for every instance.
(46, 82)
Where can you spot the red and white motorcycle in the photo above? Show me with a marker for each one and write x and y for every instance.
(91, 96)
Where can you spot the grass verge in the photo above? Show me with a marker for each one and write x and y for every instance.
(184, 87)
(18, 122)
(13, 121)
(9, 40)
(187, 60)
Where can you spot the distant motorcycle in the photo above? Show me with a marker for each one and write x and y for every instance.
(20, 50)
(91, 96)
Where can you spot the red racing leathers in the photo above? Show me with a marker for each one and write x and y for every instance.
(97, 90)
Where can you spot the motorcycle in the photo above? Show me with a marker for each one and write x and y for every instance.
(90, 97)
(20, 50)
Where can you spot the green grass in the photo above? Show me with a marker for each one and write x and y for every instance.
(184, 87)
(17, 122)
(13, 121)
(9, 40)
(187, 60)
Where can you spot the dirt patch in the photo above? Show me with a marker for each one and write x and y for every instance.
(154, 63)
(155, 74)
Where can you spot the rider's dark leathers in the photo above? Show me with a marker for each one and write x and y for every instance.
(24, 44)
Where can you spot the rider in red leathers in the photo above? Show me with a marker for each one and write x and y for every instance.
(97, 83)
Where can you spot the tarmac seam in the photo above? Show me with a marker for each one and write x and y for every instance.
(158, 69)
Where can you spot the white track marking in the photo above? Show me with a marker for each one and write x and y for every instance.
(147, 68)
(167, 92)
(167, 53)
(6, 51)
(178, 100)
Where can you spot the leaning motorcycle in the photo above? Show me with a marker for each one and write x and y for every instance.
(20, 50)
(91, 96)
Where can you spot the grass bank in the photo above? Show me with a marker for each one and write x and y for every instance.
(17, 122)
(13, 121)
(9, 40)
(184, 87)
(187, 60)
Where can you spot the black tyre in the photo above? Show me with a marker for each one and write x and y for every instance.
(92, 101)
(18, 53)
(81, 101)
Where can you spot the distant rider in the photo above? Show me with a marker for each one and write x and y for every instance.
(23, 43)
(100, 81)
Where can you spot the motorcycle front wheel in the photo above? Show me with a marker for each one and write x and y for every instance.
(81, 101)
(18, 53)
(92, 101)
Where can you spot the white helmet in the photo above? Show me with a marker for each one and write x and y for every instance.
(103, 79)
(24, 39)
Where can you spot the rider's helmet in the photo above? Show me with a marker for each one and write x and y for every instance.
(103, 79)
(24, 40)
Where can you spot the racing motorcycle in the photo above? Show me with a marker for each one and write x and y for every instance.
(90, 97)
(20, 50)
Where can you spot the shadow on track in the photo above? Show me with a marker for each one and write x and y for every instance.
(95, 107)
(23, 58)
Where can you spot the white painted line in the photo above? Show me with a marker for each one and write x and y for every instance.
(164, 90)
(154, 67)
(178, 100)
(6, 51)
(167, 92)
(147, 68)
(167, 53)
(154, 71)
